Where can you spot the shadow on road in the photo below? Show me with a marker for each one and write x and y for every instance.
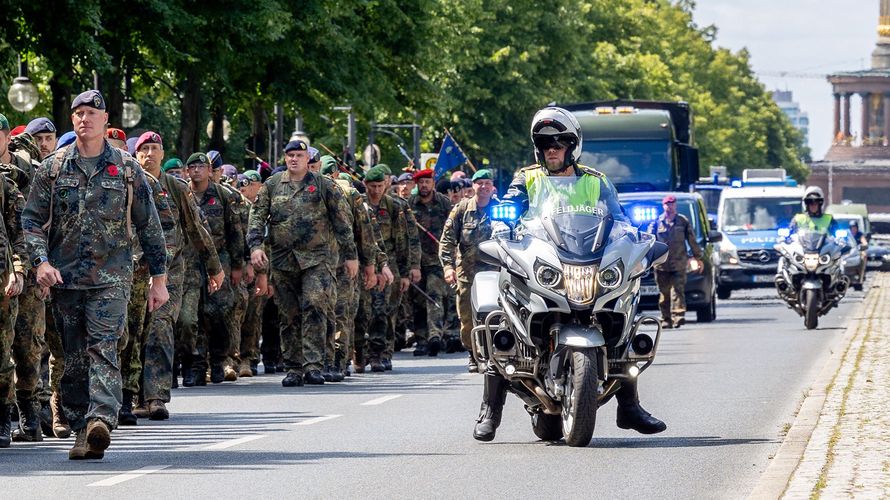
(649, 442)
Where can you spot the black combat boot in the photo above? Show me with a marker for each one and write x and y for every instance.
(433, 346)
(387, 364)
(494, 394)
(29, 420)
(337, 368)
(217, 374)
(327, 373)
(292, 379)
(631, 415)
(200, 375)
(5, 426)
(314, 377)
(376, 364)
(125, 415)
(188, 375)
(421, 349)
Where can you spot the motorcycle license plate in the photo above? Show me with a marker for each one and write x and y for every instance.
(764, 278)
(649, 290)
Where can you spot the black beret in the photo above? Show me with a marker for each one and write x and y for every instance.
(91, 98)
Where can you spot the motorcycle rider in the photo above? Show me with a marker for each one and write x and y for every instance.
(812, 218)
(556, 135)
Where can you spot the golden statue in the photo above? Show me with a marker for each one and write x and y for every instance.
(884, 19)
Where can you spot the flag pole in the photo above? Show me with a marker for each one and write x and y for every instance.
(469, 161)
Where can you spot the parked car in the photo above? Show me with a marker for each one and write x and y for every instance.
(701, 288)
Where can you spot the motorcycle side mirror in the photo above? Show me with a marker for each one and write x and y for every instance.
(656, 255)
(489, 252)
(715, 236)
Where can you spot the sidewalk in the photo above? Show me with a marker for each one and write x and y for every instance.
(839, 444)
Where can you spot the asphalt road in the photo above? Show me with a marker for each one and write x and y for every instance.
(725, 389)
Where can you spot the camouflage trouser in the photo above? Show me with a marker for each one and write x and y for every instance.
(28, 346)
(91, 323)
(130, 345)
(452, 318)
(465, 313)
(306, 300)
(215, 323)
(186, 331)
(8, 310)
(375, 312)
(241, 297)
(403, 319)
(252, 326)
(56, 351)
(428, 319)
(345, 311)
(270, 346)
(394, 303)
(158, 345)
(671, 294)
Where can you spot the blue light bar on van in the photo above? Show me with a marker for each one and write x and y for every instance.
(505, 212)
(784, 232)
(841, 233)
(736, 183)
(641, 214)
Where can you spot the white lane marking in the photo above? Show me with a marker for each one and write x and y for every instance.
(234, 442)
(120, 478)
(381, 400)
(316, 420)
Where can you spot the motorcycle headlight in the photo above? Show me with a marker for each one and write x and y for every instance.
(824, 259)
(609, 278)
(811, 261)
(580, 283)
(548, 276)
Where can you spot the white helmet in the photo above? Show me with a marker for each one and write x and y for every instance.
(553, 124)
(813, 193)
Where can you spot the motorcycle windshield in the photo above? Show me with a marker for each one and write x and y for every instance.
(811, 241)
(569, 212)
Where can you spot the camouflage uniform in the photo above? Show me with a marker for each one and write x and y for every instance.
(402, 318)
(86, 209)
(252, 314)
(466, 227)
(369, 254)
(307, 221)
(240, 293)
(376, 307)
(215, 316)
(671, 275)
(14, 259)
(429, 319)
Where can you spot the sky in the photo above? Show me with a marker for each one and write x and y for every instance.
(810, 38)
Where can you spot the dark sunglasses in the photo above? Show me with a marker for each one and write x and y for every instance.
(814, 202)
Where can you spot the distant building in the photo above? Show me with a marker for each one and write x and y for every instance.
(800, 119)
(857, 166)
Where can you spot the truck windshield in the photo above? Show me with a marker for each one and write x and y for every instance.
(711, 197)
(631, 165)
(757, 214)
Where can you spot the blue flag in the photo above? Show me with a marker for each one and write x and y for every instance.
(450, 156)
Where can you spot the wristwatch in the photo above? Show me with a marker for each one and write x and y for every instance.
(39, 260)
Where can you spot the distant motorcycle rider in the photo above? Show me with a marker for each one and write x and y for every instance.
(812, 218)
(557, 137)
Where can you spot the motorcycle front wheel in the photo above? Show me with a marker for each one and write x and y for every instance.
(579, 403)
(811, 309)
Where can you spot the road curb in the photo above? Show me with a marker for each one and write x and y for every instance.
(775, 478)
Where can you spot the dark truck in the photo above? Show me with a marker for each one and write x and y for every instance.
(639, 145)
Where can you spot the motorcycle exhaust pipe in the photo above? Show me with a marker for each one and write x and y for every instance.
(550, 407)
(781, 285)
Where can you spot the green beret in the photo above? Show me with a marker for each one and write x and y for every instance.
(385, 168)
(328, 165)
(376, 174)
(171, 164)
(344, 177)
(198, 158)
(4, 123)
(482, 174)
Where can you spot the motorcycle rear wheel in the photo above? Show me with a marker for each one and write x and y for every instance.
(579, 403)
(811, 309)
(547, 427)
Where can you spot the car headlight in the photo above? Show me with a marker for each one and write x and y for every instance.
(824, 259)
(548, 276)
(609, 278)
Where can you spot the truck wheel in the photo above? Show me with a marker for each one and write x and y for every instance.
(723, 292)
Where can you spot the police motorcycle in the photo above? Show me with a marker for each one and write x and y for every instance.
(810, 276)
(559, 321)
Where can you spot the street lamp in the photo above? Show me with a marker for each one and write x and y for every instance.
(22, 95)
(227, 128)
(131, 114)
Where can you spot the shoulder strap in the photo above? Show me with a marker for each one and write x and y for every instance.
(54, 169)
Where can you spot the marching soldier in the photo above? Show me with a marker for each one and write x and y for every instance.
(306, 218)
(431, 210)
(466, 227)
(77, 225)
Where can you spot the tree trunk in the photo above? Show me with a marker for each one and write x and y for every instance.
(60, 86)
(189, 112)
(217, 114)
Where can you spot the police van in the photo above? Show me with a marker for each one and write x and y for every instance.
(749, 218)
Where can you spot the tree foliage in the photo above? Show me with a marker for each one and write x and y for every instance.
(480, 67)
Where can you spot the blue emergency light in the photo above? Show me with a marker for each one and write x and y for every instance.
(505, 212)
(841, 233)
(784, 232)
(641, 214)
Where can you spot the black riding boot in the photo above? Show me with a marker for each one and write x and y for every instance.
(631, 415)
(5, 426)
(29, 420)
(494, 395)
